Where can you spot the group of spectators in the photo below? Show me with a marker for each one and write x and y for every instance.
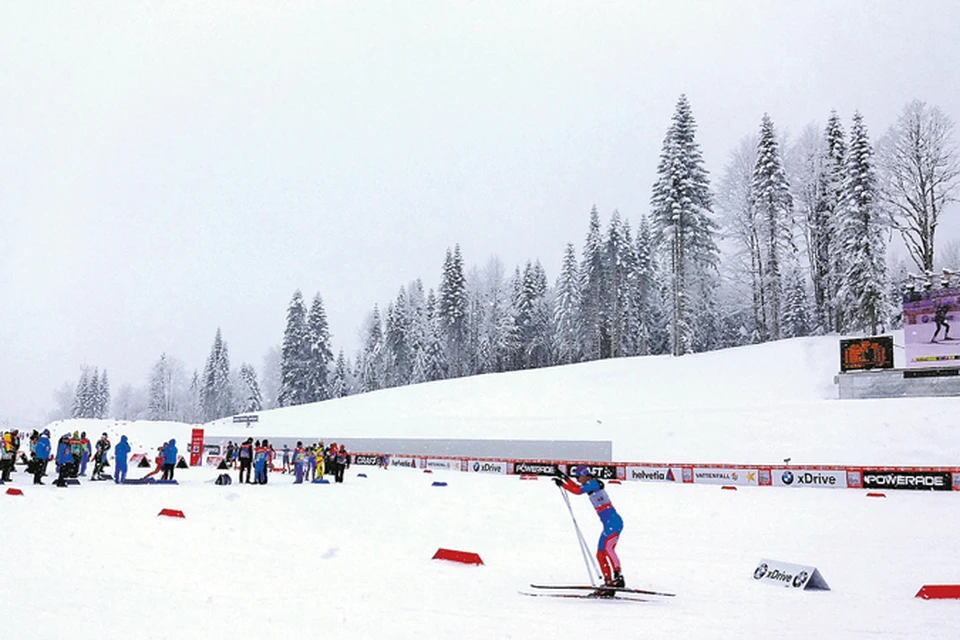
(72, 455)
(307, 463)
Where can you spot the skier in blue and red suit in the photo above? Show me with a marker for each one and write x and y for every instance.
(612, 523)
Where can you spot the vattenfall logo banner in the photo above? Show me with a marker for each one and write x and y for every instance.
(725, 476)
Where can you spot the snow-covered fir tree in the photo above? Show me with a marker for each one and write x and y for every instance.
(828, 262)
(250, 399)
(398, 349)
(796, 311)
(295, 356)
(371, 365)
(681, 205)
(161, 404)
(863, 291)
(320, 352)
(621, 276)
(452, 312)
(566, 315)
(772, 204)
(592, 287)
(339, 383)
(216, 391)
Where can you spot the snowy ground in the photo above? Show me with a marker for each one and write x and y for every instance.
(96, 561)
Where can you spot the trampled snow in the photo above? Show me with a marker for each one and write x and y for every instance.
(96, 561)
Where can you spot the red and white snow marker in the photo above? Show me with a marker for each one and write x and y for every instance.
(464, 557)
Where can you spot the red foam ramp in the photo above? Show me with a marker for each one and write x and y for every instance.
(173, 513)
(939, 592)
(528, 476)
(428, 470)
(13, 491)
(465, 557)
(876, 495)
(728, 487)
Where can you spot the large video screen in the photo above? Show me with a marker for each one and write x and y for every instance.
(931, 329)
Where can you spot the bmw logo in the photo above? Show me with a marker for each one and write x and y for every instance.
(476, 466)
(800, 579)
(787, 477)
(760, 571)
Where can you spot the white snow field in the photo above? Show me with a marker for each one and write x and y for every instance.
(354, 560)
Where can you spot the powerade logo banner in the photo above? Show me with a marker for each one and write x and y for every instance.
(366, 459)
(909, 480)
(486, 466)
(408, 463)
(535, 469)
(653, 474)
(827, 479)
(726, 476)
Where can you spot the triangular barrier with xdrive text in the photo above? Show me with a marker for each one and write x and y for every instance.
(791, 576)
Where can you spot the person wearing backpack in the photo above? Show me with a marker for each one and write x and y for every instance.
(42, 456)
(100, 458)
(245, 456)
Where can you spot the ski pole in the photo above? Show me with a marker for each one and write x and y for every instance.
(588, 560)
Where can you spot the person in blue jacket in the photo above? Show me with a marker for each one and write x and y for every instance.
(121, 451)
(64, 460)
(169, 460)
(612, 524)
(42, 453)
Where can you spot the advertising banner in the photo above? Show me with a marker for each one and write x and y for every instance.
(196, 447)
(653, 474)
(601, 471)
(908, 480)
(930, 332)
(866, 353)
(214, 461)
(369, 459)
(535, 468)
(405, 462)
(487, 466)
(725, 476)
(443, 465)
(820, 479)
(791, 576)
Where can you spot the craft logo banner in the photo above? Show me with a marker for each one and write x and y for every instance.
(931, 328)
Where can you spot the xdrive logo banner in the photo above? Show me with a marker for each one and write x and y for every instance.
(799, 478)
(910, 480)
(792, 576)
(652, 474)
(485, 466)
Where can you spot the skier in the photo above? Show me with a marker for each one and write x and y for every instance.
(64, 459)
(121, 451)
(940, 317)
(100, 457)
(85, 452)
(246, 458)
(42, 456)
(612, 525)
(7, 457)
(259, 462)
(298, 456)
(169, 459)
(286, 458)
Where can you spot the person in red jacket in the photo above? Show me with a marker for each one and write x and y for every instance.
(611, 520)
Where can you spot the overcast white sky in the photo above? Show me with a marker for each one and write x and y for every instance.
(170, 168)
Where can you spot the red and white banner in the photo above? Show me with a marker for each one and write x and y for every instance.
(196, 447)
